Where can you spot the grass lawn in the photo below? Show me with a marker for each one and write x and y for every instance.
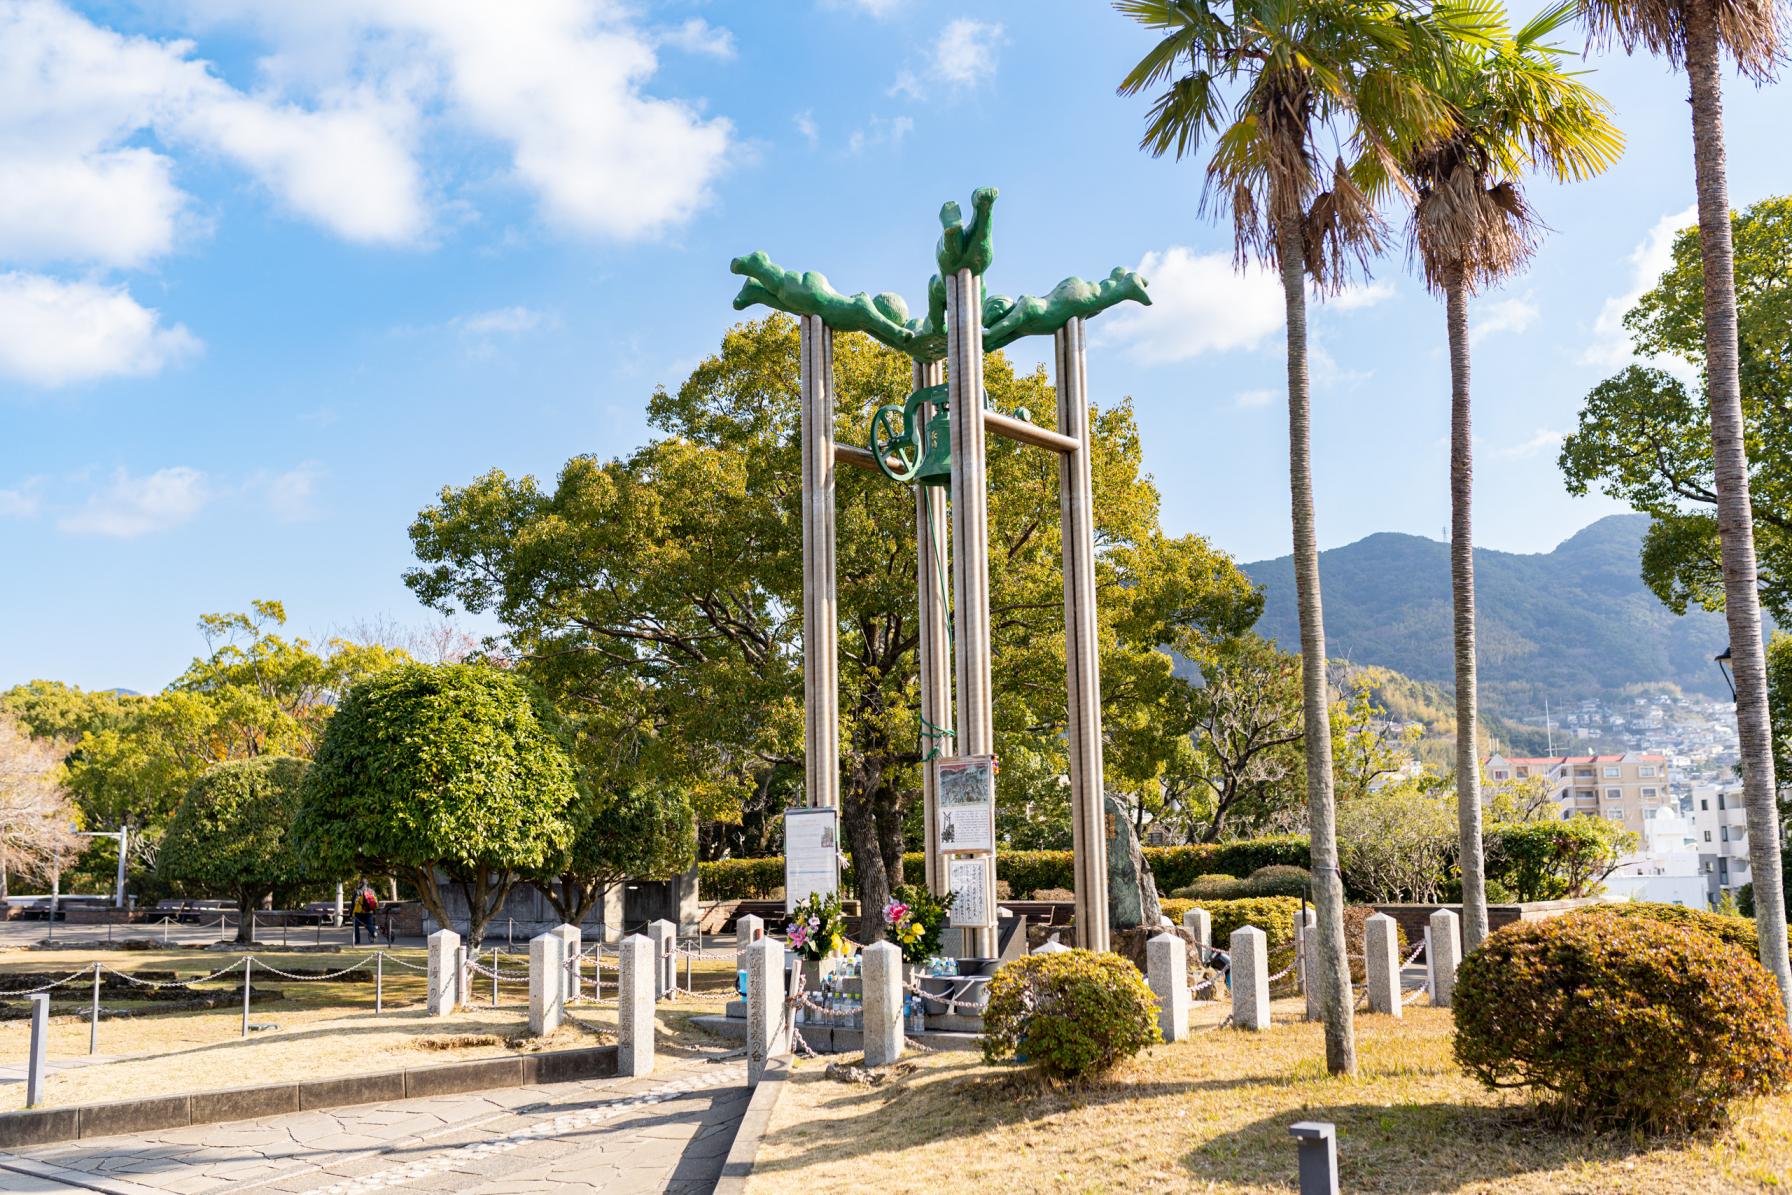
(323, 1029)
(1212, 1114)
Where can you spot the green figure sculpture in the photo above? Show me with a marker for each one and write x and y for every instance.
(885, 318)
(1006, 320)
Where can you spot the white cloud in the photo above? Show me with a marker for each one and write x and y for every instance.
(61, 332)
(1199, 304)
(22, 501)
(290, 495)
(1501, 315)
(1356, 298)
(503, 321)
(1250, 400)
(805, 125)
(1542, 440)
(880, 131)
(963, 57)
(876, 8)
(118, 207)
(698, 36)
(132, 506)
(1610, 343)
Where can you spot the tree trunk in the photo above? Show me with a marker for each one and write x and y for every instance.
(1328, 966)
(245, 911)
(1462, 590)
(860, 824)
(1735, 515)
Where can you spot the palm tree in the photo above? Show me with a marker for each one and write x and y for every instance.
(1693, 34)
(1300, 75)
(1515, 108)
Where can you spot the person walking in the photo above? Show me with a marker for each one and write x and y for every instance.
(365, 903)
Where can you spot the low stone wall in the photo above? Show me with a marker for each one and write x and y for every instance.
(41, 1126)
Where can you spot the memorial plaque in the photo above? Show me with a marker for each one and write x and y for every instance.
(811, 854)
(970, 904)
(967, 804)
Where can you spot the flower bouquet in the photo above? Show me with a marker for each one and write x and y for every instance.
(817, 928)
(913, 919)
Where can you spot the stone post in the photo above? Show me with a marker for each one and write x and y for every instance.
(1444, 953)
(934, 649)
(765, 1005)
(747, 930)
(1306, 935)
(572, 943)
(547, 982)
(36, 1060)
(1250, 978)
(1381, 948)
(881, 975)
(1082, 646)
(664, 936)
(634, 1004)
(1200, 924)
(444, 948)
(974, 716)
(1166, 959)
(610, 906)
(821, 623)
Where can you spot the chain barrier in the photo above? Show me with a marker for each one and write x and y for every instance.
(495, 972)
(177, 983)
(52, 984)
(268, 967)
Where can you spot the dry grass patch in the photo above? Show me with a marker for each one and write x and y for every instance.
(1212, 1114)
(320, 1030)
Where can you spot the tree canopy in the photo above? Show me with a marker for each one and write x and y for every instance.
(232, 832)
(453, 770)
(1644, 435)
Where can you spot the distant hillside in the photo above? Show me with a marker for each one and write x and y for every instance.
(1573, 623)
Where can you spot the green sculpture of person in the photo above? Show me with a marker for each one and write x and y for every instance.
(965, 247)
(883, 316)
(1006, 320)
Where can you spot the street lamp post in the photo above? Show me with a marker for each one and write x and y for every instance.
(1723, 665)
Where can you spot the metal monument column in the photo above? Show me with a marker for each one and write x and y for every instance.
(821, 623)
(1082, 649)
(935, 646)
(970, 543)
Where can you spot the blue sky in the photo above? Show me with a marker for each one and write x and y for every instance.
(271, 275)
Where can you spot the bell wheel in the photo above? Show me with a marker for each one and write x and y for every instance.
(891, 437)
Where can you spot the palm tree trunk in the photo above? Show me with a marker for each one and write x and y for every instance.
(1462, 590)
(1328, 967)
(1735, 514)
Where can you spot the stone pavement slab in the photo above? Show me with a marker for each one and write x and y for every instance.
(664, 1132)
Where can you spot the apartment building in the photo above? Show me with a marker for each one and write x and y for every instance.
(1720, 831)
(1624, 788)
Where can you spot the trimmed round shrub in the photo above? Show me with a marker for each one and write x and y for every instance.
(1739, 932)
(1278, 879)
(1213, 887)
(1621, 1021)
(1072, 1013)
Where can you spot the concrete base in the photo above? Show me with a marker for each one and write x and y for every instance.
(824, 1039)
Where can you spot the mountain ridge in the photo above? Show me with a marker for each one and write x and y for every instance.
(1573, 623)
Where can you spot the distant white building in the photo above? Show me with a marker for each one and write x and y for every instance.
(1665, 866)
(1720, 826)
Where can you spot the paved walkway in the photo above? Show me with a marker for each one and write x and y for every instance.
(668, 1132)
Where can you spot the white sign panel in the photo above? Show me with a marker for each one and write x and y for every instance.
(970, 893)
(967, 804)
(811, 854)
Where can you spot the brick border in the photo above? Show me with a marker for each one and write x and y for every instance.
(757, 1117)
(44, 1126)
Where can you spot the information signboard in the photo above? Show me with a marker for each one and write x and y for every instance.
(811, 854)
(971, 907)
(967, 804)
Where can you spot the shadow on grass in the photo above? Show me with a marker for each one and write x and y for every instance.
(1414, 1147)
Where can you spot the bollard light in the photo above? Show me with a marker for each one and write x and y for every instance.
(1318, 1142)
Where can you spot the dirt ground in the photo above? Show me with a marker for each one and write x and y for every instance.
(1212, 1114)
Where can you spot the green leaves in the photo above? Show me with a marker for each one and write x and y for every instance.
(232, 830)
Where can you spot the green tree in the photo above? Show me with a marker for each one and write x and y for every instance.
(1284, 91)
(456, 772)
(633, 835)
(1644, 435)
(658, 596)
(49, 709)
(1779, 682)
(1515, 108)
(1694, 34)
(231, 833)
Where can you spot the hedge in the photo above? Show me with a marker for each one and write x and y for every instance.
(1027, 871)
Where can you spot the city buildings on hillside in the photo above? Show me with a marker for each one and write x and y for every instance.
(1720, 828)
(1624, 787)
